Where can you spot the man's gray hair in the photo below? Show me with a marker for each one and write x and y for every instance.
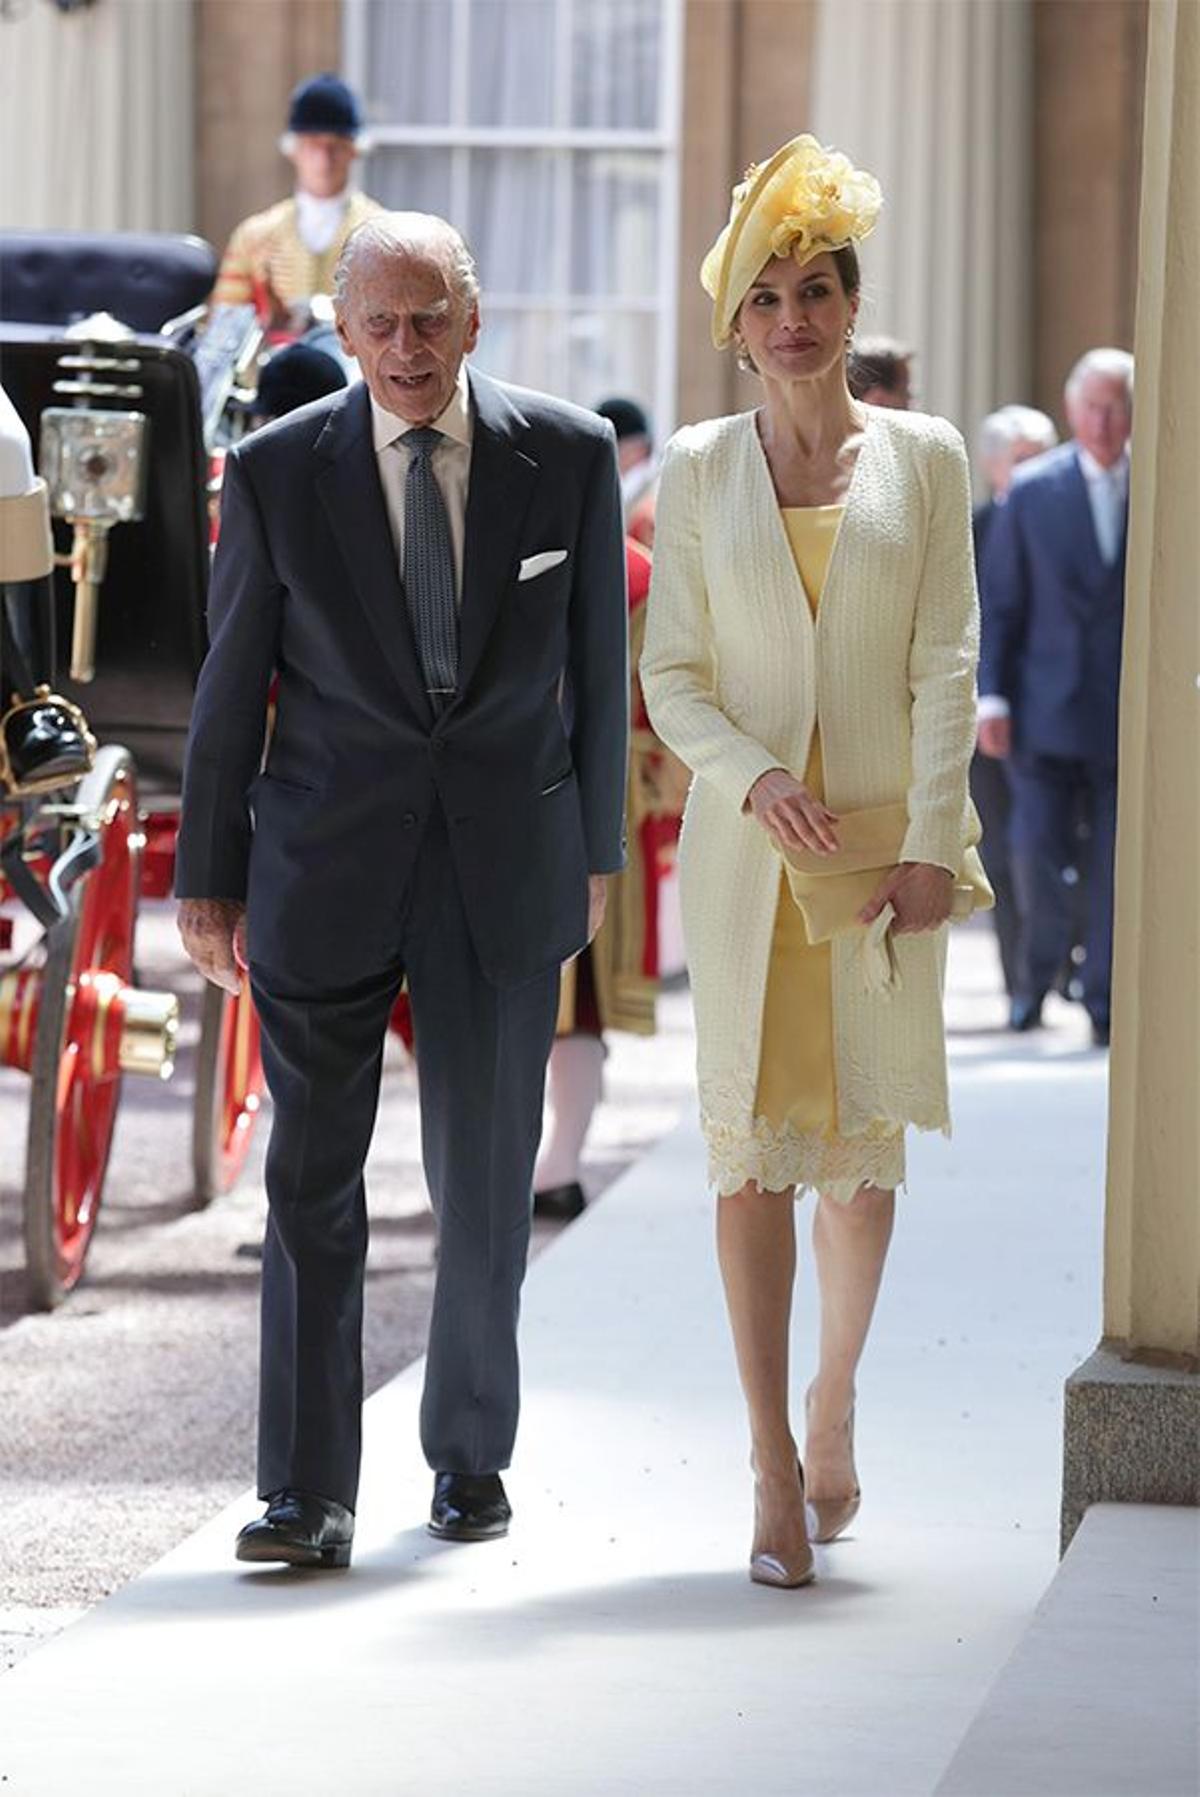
(1015, 424)
(420, 234)
(1115, 364)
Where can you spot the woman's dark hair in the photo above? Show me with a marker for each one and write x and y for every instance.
(849, 273)
(879, 362)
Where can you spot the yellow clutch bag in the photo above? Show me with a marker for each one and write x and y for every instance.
(831, 890)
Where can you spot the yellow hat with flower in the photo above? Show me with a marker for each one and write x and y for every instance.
(805, 200)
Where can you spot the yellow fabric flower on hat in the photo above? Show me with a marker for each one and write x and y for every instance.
(803, 201)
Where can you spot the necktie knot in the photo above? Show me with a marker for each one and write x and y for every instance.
(423, 441)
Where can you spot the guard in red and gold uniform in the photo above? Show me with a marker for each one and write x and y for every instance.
(280, 258)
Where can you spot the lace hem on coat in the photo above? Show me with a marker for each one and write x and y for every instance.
(807, 1159)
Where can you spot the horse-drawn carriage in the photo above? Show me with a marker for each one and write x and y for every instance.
(123, 408)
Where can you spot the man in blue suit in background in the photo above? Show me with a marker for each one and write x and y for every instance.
(1053, 581)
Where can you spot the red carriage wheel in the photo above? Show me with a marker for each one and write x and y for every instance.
(76, 1076)
(229, 1084)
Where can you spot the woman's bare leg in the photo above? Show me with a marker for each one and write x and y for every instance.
(756, 1246)
(850, 1242)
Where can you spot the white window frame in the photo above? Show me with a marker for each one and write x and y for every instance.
(459, 139)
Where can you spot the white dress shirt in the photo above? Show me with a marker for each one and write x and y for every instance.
(318, 221)
(1108, 496)
(450, 462)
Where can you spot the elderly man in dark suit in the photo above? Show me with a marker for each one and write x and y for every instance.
(432, 566)
(1049, 676)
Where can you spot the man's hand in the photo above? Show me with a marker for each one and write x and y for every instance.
(214, 935)
(995, 738)
(597, 901)
(791, 815)
(919, 893)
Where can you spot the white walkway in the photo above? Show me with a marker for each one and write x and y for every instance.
(614, 1644)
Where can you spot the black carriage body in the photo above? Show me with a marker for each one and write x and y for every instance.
(151, 633)
(144, 278)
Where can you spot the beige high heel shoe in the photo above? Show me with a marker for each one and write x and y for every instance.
(773, 1569)
(828, 1518)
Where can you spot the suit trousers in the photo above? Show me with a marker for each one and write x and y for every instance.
(993, 801)
(1049, 794)
(481, 1055)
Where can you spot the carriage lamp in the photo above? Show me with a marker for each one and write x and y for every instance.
(94, 465)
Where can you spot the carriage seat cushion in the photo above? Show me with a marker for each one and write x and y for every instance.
(143, 278)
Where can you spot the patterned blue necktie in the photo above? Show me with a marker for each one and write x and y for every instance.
(429, 570)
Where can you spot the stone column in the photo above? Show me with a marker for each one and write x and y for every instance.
(1087, 137)
(1133, 1409)
(935, 98)
(248, 59)
(747, 68)
(96, 117)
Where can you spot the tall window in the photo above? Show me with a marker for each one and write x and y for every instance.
(548, 131)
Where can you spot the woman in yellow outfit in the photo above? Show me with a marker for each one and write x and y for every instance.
(810, 653)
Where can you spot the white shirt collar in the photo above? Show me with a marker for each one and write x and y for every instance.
(1092, 469)
(455, 421)
(318, 221)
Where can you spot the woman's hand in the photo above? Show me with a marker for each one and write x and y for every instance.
(791, 815)
(919, 893)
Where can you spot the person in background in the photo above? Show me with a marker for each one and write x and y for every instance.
(293, 377)
(638, 464)
(879, 373)
(278, 259)
(1007, 438)
(1053, 580)
(613, 984)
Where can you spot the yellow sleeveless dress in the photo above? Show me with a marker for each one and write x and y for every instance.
(796, 1098)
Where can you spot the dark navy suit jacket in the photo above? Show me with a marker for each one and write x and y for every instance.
(982, 518)
(306, 586)
(1052, 614)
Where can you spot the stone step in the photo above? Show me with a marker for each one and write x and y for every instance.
(1100, 1697)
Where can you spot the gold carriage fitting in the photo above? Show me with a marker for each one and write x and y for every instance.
(45, 744)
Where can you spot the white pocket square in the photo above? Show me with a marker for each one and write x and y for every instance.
(533, 565)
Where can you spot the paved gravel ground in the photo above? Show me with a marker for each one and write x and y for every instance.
(128, 1414)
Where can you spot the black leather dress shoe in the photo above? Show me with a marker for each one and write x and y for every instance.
(469, 1507)
(560, 1202)
(300, 1529)
(1025, 1014)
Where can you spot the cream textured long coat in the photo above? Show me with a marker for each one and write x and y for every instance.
(735, 673)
